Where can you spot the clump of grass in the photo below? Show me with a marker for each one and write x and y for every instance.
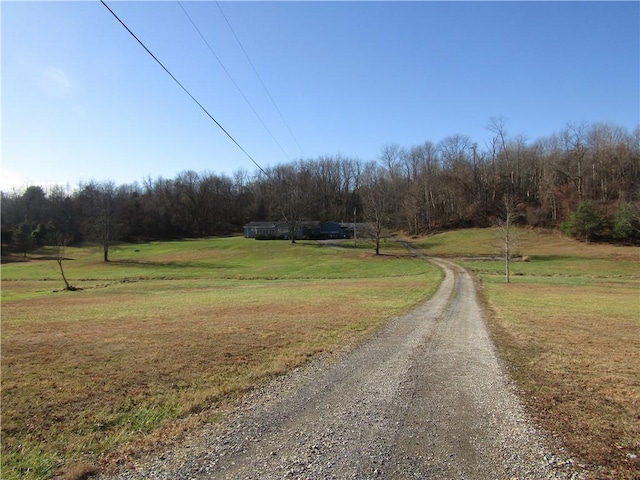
(80, 471)
(29, 462)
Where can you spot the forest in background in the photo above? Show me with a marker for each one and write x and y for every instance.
(584, 179)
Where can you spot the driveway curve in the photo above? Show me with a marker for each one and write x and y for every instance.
(426, 397)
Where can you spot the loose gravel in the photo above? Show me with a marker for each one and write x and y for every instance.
(424, 398)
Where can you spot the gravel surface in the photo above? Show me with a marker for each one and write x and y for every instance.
(424, 398)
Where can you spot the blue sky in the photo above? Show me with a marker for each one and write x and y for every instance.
(82, 100)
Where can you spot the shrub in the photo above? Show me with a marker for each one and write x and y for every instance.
(584, 224)
(627, 223)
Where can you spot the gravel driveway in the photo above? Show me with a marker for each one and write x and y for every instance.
(424, 398)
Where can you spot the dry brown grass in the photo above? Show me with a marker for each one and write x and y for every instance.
(88, 374)
(80, 471)
(575, 351)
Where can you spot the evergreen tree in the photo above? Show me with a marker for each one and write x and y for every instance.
(627, 223)
(583, 224)
(23, 241)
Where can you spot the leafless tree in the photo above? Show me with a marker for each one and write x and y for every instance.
(377, 201)
(292, 189)
(390, 157)
(504, 225)
(498, 126)
(99, 202)
(575, 147)
(60, 248)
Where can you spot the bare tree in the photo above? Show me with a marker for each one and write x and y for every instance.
(504, 225)
(292, 187)
(99, 203)
(575, 147)
(457, 179)
(390, 157)
(498, 126)
(410, 189)
(60, 247)
(106, 217)
(377, 201)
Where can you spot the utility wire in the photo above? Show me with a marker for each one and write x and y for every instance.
(183, 88)
(259, 77)
(232, 80)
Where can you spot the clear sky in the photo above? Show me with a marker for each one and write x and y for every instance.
(82, 100)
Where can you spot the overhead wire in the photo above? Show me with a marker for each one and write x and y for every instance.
(185, 90)
(232, 80)
(259, 77)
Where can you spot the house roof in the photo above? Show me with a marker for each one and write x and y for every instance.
(311, 223)
(261, 224)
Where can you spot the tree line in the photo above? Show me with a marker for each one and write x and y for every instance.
(584, 179)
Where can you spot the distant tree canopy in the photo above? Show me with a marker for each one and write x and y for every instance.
(580, 175)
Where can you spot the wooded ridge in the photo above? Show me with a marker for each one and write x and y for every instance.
(585, 179)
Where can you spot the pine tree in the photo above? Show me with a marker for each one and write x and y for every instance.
(583, 224)
(23, 239)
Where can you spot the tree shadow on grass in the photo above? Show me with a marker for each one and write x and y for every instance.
(173, 265)
(550, 258)
(31, 258)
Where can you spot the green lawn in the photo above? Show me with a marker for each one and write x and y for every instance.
(222, 258)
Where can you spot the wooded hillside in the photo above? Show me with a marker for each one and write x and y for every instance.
(585, 178)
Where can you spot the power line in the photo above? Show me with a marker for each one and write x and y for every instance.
(232, 80)
(259, 77)
(183, 88)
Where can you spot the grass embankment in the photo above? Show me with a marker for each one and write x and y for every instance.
(161, 337)
(568, 325)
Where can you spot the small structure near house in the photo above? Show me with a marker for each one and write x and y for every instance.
(265, 230)
(358, 229)
(308, 230)
(331, 230)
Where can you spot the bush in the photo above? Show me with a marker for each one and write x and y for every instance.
(627, 223)
(584, 224)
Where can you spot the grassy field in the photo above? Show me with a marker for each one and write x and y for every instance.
(167, 334)
(568, 326)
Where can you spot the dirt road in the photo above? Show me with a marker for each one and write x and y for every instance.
(424, 398)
